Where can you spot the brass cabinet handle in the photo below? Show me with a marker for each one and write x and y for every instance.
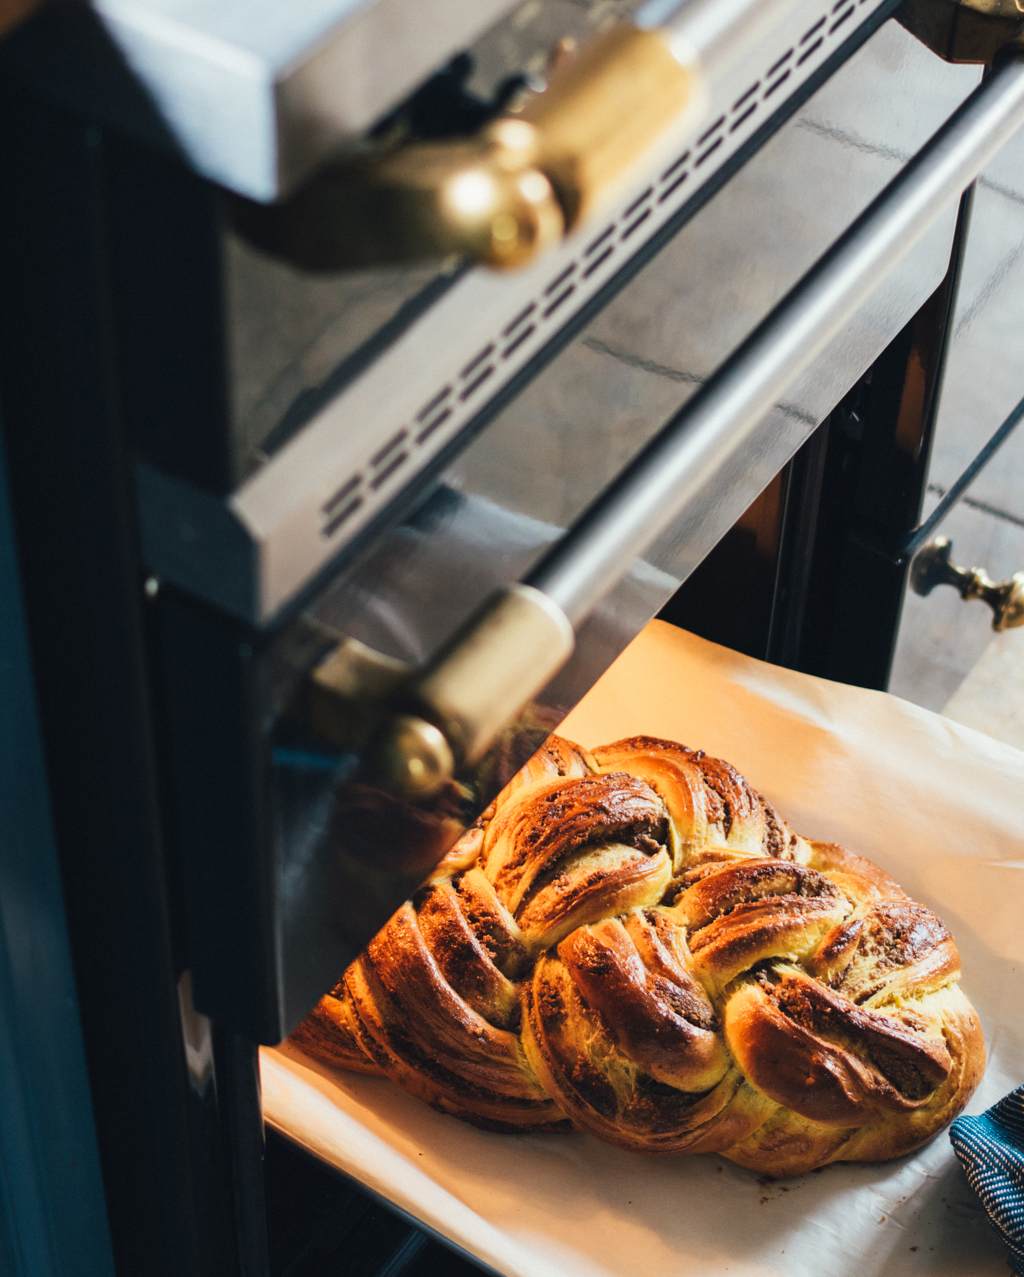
(933, 567)
(418, 728)
(504, 195)
(602, 109)
(480, 198)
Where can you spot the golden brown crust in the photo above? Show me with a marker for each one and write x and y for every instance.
(330, 1033)
(425, 1037)
(633, 943)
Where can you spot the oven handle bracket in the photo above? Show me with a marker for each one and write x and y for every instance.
(520, 638)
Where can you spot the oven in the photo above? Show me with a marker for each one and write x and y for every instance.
(325, 503)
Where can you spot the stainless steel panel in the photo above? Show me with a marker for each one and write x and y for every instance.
(291, 332)
(494, 667)
(257, 93)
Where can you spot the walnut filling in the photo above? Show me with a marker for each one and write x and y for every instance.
(863, 956)
(913, 1064)
(720, 892)
(778, 841)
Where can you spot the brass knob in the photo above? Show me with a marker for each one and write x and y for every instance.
(346, 690)
(479, 198)
(932, 567)
(412, 758)
(502, 196)
(417, 730)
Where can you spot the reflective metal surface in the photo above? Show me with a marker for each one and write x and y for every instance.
(534, 469)
(650, 494)
(537, 465)
(292, 333)
(681, 462)
(350, 445)
(505, 194)
(683, 459)
(258, 93)
(294, 832)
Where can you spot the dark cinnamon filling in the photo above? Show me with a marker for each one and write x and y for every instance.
(490, 929)
(686, 1004)
(890, 937)
(761, 883)
(909, 1066)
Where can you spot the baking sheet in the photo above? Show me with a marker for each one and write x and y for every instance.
(938, 805)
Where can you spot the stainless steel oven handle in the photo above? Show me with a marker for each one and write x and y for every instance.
(504, 655)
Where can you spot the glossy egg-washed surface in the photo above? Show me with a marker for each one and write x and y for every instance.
(631, 942)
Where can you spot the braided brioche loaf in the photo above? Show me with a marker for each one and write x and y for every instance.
(633, 943)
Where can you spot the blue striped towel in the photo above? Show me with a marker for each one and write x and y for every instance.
(991, 1150)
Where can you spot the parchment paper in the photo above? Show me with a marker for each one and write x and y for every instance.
(938, 805)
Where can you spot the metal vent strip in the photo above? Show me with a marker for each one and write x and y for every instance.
(378, 434)
(453, 404)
